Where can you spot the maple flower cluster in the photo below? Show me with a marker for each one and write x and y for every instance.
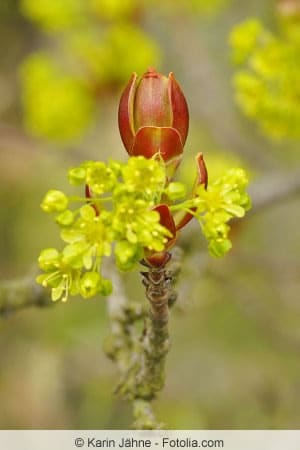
(135, 210)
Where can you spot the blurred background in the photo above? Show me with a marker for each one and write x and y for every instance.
(234, 361)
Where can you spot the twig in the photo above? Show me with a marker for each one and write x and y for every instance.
(21, 293)
(274, 189)
(156, 341)
(141, 359)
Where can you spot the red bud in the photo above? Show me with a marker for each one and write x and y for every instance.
(153, 116)
(201, 178)
(166, 219)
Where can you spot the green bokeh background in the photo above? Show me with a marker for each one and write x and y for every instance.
(234, 361)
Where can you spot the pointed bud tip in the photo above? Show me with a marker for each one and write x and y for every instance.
(202, 170)
(152, 73)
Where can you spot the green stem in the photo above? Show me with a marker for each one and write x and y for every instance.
(75, 198)
(184, 207)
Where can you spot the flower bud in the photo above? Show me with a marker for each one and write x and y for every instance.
(49, 259)
(89, 284)
(54, 201)
(153, 116)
